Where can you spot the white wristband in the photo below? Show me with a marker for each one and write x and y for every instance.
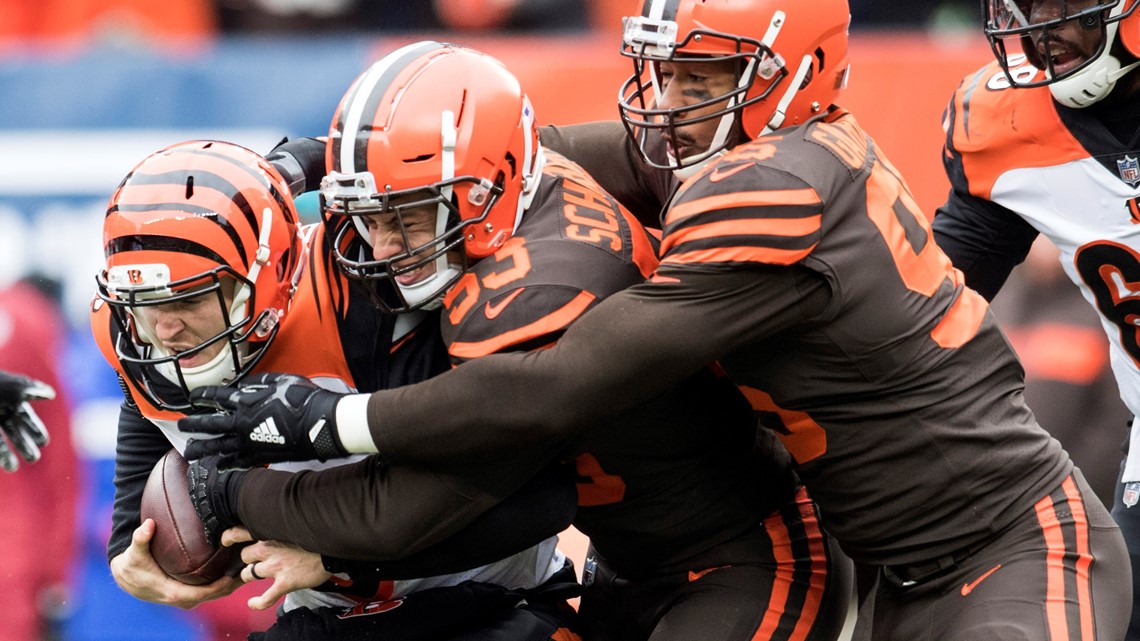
(352, 424)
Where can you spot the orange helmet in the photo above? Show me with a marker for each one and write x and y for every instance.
(430, 123)
(791, 60)
(198, 222)
(1029, 27)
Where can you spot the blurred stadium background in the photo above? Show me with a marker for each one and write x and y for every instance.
(90, 87)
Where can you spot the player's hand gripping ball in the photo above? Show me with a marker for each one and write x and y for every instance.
(180, 545)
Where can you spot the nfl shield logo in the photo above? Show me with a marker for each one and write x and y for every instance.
(1129, 169)
(1131, 494)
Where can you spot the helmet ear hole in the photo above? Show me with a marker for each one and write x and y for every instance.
(810, 74)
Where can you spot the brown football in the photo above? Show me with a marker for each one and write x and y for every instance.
(179, 545)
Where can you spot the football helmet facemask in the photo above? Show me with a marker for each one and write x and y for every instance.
(429, 125)
(1022, 31)
(790, 57)
(199, 224)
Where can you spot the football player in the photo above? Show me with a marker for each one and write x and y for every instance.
(23, 431)
(435, 161)
(209, 279)
(795, 256)
(1044, 141)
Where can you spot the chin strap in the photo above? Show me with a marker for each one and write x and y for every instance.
(1123, 71)
(688, 171)
(1094, 83)
(1090, 87)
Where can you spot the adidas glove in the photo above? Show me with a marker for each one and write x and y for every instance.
(268, 418)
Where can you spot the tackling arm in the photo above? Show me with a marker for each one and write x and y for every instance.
(301, 162)
(370, 511)
(542, 508)
(632, 347)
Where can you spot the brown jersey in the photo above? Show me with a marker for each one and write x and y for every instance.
(852, 389)
(611, 157)
(664, 485)
(575, 247)
(803, 264)
(672, 484)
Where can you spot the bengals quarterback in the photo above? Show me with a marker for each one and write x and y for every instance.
(209, 279)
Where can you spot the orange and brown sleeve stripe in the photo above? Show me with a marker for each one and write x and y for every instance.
(555, 321)
(801, 575)
(779, 227)
(1068, 606)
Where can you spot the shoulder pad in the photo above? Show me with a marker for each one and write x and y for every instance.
(995, 128)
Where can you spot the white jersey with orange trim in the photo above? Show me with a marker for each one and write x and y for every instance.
(1020, 164)
(310, 344)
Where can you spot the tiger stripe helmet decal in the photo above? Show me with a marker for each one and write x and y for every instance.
(199, 218)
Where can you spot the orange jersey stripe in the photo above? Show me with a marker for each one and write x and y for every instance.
(1084, 557)
(961, 321)
(767, 255)
(644, 253)
(551, 322)
(564, 634)
(809, 611)
(782, 582)
(400, 343)
(805, 439)
(749, 226)
(1054, 570)
(742, 199)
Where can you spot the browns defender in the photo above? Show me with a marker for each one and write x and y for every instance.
(693, 533)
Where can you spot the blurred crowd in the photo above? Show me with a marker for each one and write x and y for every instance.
(29, 20)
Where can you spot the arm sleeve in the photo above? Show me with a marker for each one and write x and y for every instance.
(138, 447)
(984, 241)
(606, 153)
(372, 511)
(631, 347)
(301, 162)
(540, 509)
(498, 420)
